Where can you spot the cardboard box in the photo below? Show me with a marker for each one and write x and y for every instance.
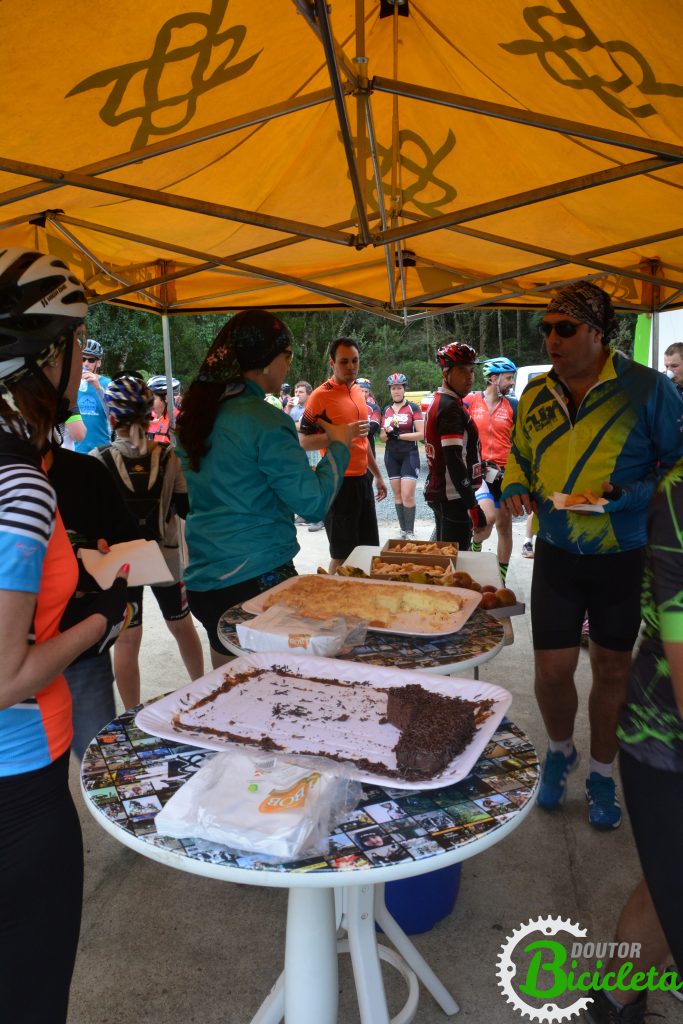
(389, 553)
(507, 611)
(395, 562)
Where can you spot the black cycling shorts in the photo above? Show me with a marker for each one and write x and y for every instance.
(453, 522)
(351, 519)
(567, 586)
(402, 465)
(208, 605)
(172, 601)
(654, 799)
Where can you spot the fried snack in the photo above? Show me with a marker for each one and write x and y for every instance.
(352, 570)
(402, 568)
(383, 606)
(586, 497)
(410, 547)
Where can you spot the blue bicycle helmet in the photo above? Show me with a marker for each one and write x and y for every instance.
(93, 348)
(499, 364)
(397, 378)
(129, 398)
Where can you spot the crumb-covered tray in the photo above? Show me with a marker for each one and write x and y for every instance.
(458, 603)
(303, 705)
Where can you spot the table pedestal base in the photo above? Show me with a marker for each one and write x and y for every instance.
(306, 991)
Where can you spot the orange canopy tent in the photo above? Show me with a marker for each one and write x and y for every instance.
(401, 157)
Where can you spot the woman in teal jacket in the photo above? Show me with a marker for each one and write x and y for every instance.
(246, 472)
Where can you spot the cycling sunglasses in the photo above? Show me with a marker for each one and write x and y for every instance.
(563, 328)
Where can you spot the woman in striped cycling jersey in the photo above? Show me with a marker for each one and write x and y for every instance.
(41, 858)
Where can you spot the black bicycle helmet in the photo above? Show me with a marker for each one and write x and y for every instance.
(457, 353)
(129, 398)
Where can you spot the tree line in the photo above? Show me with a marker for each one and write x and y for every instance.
(132, 341)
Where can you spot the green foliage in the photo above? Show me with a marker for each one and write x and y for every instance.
(133, 340)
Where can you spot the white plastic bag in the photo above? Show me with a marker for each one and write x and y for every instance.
(259, 803)
(280, 628)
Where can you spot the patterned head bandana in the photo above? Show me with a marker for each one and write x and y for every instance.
(586, 302)
(249, 341)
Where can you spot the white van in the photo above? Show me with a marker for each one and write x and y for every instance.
(527, 373)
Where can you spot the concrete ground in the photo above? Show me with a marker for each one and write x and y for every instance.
(159, 946)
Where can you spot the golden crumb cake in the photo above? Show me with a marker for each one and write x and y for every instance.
(381, 605)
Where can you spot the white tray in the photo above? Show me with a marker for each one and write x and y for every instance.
(248, 711)
(405, 625)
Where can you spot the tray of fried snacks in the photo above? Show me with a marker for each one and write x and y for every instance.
(581, 501)
(430, 551)
(413, 569)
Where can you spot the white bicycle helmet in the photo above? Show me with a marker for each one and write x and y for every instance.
(40, 301)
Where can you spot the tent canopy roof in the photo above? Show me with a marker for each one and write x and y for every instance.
(401, 158)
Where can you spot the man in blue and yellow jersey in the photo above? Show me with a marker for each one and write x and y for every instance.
(601, 426)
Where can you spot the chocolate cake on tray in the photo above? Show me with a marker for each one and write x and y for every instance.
(404, 729)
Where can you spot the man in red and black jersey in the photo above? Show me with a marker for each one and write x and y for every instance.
(452, 450)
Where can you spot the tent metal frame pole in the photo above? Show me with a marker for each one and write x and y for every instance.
(672, 298)
(654, 338)
(176, 202)
(372, 141)
(168, 370)
(69, 235)
(199, 135)
(155, 282)
(540, 290)
(562, 260)
(515, 243)
(520, 199)
(307, 11)
(246, 269)
(343, 118)
(545, 122)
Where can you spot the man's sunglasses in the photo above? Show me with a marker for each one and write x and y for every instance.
(89, 359)
(563, 328)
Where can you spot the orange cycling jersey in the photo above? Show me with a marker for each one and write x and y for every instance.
(495, 428)
(338, 403)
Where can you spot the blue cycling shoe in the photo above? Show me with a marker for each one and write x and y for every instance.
(553, 788)
(604, 810)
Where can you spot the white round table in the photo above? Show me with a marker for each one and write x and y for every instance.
(127, 776)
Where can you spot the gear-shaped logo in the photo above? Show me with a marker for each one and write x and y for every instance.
(507, 970)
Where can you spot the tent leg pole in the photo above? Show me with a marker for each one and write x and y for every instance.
(168, 370)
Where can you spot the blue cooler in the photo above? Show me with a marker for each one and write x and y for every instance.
(417, 903)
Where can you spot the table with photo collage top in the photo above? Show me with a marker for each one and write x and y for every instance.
(127, 777)
(479, 640)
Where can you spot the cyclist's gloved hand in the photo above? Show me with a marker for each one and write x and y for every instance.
(479, 520)
(616, 497)
(112, 604)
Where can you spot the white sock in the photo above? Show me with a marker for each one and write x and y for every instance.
(601, 768)
(565, 747)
